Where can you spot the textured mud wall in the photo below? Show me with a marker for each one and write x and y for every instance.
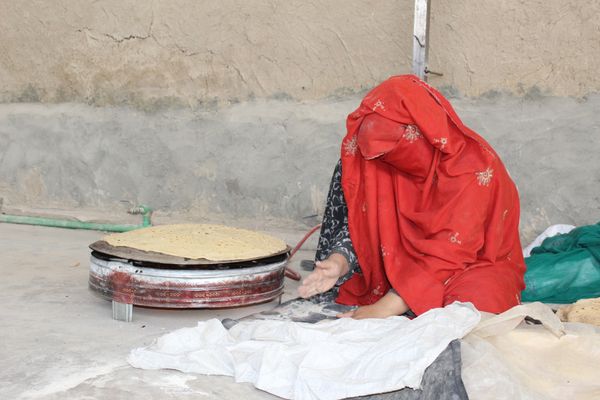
(522, 47)
(161, 53)
(193, 53)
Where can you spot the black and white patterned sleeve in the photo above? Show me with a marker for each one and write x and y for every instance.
(335, 236)
(343, 245)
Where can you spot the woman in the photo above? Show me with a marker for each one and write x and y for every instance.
(421, 211)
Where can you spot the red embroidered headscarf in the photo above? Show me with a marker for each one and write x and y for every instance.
(427, 198)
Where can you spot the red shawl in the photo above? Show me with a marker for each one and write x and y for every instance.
(428, 198)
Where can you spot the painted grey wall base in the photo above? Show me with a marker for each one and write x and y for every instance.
(258, 160)
(272, 159)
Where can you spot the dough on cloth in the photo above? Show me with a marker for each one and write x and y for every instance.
(586, 311)
(200, 241)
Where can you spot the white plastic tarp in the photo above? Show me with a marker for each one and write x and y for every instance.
(332, 359)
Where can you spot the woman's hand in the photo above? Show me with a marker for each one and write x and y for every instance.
(389, 305)
(325, 275)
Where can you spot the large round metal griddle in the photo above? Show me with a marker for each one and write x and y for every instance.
(144, 278)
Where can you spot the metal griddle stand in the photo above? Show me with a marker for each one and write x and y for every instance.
(129, 277)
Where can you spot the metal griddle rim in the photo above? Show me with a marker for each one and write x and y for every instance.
(214, 266)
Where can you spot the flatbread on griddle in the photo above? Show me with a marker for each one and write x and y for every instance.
(200, 241)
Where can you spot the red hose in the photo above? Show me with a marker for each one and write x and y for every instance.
(289, 272)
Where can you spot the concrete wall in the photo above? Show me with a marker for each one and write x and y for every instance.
(272, 159)
(235, 108)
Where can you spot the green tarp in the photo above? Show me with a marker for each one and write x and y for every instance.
(565, 268)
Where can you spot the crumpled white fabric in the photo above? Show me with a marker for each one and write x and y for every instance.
(333, 359)
(505, 359)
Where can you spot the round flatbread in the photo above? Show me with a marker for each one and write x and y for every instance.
(200, 241)
(586, 311)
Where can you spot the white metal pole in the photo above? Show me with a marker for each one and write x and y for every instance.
(421, 38)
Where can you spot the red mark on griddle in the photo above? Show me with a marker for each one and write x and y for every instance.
(135, 289)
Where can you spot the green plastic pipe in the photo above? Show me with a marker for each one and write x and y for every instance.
(62, 223)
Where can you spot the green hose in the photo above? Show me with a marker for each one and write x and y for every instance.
(145, 211)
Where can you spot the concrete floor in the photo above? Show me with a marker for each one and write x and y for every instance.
(58, 340)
